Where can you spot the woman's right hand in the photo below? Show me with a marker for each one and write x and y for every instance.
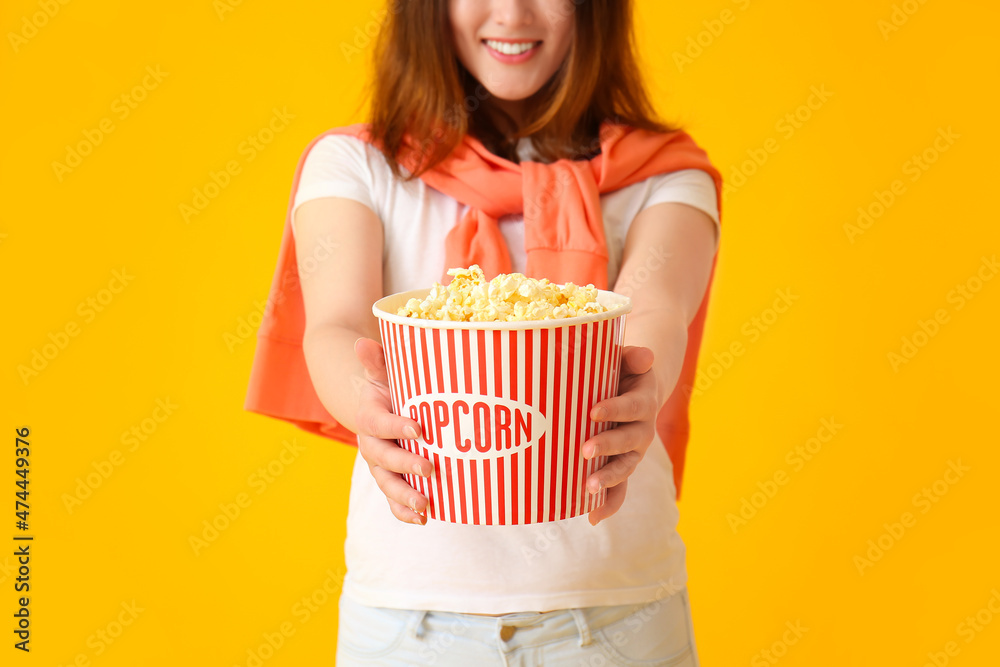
(378, 429)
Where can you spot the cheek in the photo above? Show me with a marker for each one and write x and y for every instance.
(463, 20)
(455, 36)
(562, 27)
(559, 54)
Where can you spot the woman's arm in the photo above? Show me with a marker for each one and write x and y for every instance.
(338, 244)
(665, 270)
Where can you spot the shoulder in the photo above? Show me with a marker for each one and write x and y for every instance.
(694, 187)
(334, 146)
(689, 186)
(343, 163)
(685, 178)
(346, 153)
(338, 164)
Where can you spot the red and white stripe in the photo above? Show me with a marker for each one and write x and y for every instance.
(562, 372)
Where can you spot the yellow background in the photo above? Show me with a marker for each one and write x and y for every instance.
(177, 331)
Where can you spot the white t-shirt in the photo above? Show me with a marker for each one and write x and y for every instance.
(631, 557)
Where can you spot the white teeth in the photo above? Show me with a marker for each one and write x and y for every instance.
(510, 49)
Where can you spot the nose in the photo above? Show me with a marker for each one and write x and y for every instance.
(513, 13)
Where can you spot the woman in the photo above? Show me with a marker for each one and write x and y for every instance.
(514, 134)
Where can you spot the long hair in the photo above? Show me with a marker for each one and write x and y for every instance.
(422, 91)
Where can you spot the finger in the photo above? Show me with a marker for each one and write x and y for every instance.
(636, 404)
(372, 357)
(396, 489)
(616, 471)
(613, 503)
(386, 426)
(374, 418)
(636, 360)
(405, 514)
(626, 437)
(388, 455)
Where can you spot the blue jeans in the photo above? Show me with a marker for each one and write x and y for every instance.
(658, 633)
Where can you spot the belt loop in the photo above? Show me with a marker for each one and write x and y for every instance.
(581, 624)
(416, 624)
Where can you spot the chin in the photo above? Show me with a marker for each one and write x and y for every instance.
(512, 93)
(511, 97)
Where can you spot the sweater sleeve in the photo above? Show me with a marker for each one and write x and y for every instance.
(280, 385)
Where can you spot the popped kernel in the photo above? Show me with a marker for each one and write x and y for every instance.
(510, 297)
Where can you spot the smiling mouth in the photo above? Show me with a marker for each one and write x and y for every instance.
(511, 48)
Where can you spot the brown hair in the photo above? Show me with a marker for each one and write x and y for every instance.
(420, 88)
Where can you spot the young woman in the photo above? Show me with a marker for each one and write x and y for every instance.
(515, 134)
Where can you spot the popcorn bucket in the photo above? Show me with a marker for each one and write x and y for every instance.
(504, 408)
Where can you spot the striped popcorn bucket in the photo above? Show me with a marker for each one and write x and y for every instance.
(504, 408)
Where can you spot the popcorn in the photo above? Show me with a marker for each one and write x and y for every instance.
(510, 297)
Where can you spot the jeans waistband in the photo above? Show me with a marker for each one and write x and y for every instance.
(522, 629)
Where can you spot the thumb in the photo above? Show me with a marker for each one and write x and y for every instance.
(372, 357)
(636, 360)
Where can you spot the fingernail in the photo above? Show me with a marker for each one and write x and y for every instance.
(413, 505)
(595, 488)
(418, 520)
(410, 432)
(588, 452)
(417, 470)
(600, 414)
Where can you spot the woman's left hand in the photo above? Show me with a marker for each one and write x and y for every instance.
(634, 409)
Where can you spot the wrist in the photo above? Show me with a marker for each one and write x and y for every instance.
(667, 336)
